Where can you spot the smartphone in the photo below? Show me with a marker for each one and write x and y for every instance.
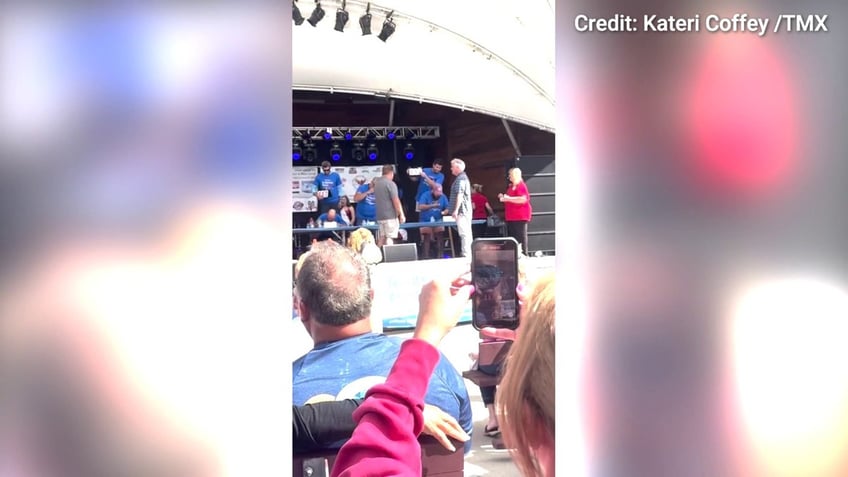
(494, 273)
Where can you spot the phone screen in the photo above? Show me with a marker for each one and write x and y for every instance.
(494, 273)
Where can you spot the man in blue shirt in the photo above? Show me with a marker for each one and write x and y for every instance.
(333, 297)
(430, 176)
(327, 185)
(328, 220)
(331, 216)
(366, 203)
(431, 206)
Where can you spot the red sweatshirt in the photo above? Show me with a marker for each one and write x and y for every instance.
(385, 441)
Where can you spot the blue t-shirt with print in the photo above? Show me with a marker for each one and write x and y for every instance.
(367, 207)
(348, 368)
(435, 213)
(339, 220)
(423, 186)
(331, 182)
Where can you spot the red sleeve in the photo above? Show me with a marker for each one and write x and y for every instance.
(385, 441)
(522, 190)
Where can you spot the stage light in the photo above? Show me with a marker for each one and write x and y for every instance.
(297, 153)
(335, 152)
(296, 16)
(372, 135)
(391, 135)
(341, 18)
(365, 21)
(348, 136)
(317, 14)
(305, 136)
(409, 135)
(309, 153)
(409, 152)
(358, 152)
(328, 134)
(372, 152)
(388, 28)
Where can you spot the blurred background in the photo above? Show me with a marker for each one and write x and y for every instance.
(711, 244)
(142, 240)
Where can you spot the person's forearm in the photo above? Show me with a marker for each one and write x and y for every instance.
(316, 426)
(398, 207)
(390, 419)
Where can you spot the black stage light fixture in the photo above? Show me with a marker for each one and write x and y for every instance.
(409, 135)
(391, 135)
(309, 153)
(328, 134)
(297, 152)
(371, 135)
(388, 27)
(365, 21)
(409, 152)
(341, 18)
(317, 14)
(358, 152)
(348, 135)
(296, 16)
(335, 152)
(372, 152)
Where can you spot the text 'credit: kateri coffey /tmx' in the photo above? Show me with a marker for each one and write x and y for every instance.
(736, 23)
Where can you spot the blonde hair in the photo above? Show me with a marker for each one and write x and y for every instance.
(358, 238)
(517, 173)
(477, 187)
(526, 395)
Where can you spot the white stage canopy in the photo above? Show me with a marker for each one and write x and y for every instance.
(489, 56)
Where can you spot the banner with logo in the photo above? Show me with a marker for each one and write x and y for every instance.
(303, 183)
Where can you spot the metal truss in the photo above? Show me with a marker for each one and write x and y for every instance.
(359, 133)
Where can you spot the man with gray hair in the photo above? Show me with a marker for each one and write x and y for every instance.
(333, 297)
(460, 205)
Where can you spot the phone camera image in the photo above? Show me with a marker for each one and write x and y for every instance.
(494, 273)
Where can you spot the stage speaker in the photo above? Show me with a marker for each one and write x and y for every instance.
(402, 252)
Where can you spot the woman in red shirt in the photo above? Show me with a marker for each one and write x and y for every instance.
(480, 207)
(517, 208)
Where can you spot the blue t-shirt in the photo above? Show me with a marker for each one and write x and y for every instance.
(348, 368)
(367, 207)
(339, 220)
(423, 186)
(436, 213)
(330, 182)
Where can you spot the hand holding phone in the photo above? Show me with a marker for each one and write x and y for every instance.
(494, 273)
(440, 305)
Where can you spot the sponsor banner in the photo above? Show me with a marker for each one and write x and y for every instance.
(303, 183)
